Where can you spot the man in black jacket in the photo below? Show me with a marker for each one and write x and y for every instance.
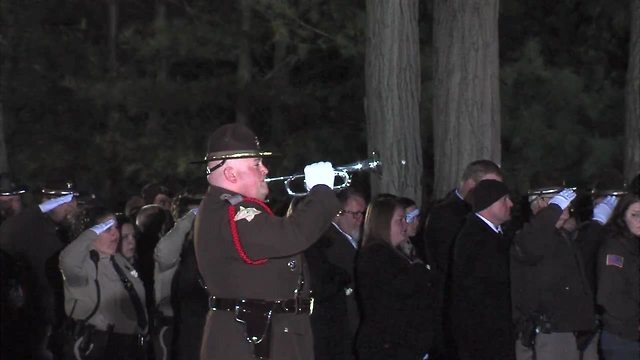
(442, 226)
(481, 309)
(331, 260)
(551, 296)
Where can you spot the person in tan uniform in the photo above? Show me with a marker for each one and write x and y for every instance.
(104, 296)
(251, 261)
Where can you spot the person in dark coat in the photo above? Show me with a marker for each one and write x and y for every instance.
(10, 197)
(619, 282)
(481, 293)
(32, 238)
(443, 223)
(604, 194)
(331, 262)
(553, 306)
(393, 288)
(251, 260)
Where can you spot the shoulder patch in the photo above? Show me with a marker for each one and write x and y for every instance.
(615, 260)
(247, 213)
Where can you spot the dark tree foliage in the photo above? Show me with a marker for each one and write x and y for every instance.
(562, 77)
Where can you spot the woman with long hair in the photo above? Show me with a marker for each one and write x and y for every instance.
(393, 288)
(619, 282)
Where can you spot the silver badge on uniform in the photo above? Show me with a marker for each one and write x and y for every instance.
(292, 264)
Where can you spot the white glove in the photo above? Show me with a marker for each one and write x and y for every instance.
(564, 198)
(319, 173)
(51, 204)
(100, 228)
(602, 211)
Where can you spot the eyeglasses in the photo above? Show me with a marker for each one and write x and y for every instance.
(355, 214)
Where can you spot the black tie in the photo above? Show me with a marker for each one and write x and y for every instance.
(133, 295)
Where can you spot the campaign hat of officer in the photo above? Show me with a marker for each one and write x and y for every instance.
(233, 141)
(609, 182)
(59, 187)
(544, 184)
(8, 187)
(634, 185)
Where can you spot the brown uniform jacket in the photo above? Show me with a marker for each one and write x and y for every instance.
(227, 275)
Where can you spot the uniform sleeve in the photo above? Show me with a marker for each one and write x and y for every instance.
(167, 251)
(265, 236)
(74, 257)
(535, 238)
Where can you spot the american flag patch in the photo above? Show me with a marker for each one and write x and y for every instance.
(615, 260)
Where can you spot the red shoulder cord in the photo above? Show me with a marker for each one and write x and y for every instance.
(234, 231)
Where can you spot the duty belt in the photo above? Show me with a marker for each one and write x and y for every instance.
(288, 306)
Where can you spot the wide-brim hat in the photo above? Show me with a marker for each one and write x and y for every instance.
(233, 141)
(60, 188)
(546, 191)
(9, 188)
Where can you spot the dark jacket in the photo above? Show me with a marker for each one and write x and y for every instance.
(548, 276)
(443, 224)
(281, 242)
(335, 316)
(396, 301)
(619, 286)
(481, 295)
(590, 238)
(31, 237)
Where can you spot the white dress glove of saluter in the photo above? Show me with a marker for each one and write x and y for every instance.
(51, 204)
(564, 198)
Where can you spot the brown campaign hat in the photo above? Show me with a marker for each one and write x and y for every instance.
(60, 188)
(8, 187)
(233, 141)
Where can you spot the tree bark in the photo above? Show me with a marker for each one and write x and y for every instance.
(244, 64)
(466, 106)
(632, 97)
(392, 80)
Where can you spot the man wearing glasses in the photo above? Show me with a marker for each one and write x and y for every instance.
(331, 262)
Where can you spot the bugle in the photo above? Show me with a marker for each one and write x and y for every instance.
(343, 172)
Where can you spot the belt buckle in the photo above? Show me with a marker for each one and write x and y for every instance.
(141, 340)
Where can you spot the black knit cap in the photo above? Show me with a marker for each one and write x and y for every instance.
(486, 193)
(233, 141)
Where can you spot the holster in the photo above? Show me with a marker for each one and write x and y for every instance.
(531, 326)
(83, 340)
(256, 317)
(527, 330)
(584, 338)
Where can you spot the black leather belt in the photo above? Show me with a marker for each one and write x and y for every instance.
(288, 306)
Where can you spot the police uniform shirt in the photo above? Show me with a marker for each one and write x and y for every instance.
(81, 282)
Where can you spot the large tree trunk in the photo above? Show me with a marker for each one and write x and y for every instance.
(280, 88)
(392, 73)
(632, 95)
(6, 48)
(4, 158)
(244, 64)
(466, 106)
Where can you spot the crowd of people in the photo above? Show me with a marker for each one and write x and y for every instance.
(211, 272)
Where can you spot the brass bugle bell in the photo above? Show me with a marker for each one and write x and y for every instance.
(343, 172)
